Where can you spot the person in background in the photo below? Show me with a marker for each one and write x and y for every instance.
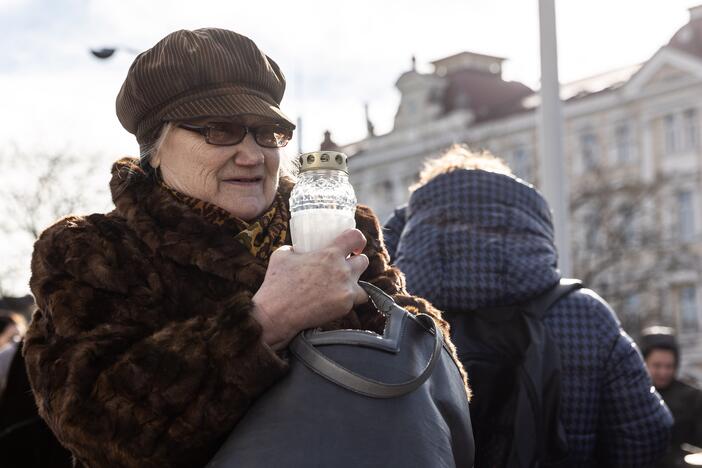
(662, 356)
(12, 329)
(474, 237)
(25, 440)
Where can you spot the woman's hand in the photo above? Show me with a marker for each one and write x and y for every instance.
(307, 290)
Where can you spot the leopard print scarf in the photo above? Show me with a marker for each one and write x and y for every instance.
(262, 236)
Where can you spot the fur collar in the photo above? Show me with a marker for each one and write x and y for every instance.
(173, 230)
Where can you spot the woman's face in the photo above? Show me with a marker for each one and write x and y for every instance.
(241, 178)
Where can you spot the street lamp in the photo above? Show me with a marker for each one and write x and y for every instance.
(104, 53)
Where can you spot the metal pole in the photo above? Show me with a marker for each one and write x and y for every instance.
(554, 183)
(298, 130)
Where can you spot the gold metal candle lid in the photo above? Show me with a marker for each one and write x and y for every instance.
(323, 160)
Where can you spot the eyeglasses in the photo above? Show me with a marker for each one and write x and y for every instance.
(230, 133)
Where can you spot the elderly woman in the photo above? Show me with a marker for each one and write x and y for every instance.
(160, 322)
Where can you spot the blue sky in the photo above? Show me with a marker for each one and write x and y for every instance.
(54, 96)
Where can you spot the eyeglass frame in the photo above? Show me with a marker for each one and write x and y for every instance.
(204, 130)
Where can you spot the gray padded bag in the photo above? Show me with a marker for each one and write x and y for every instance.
(357, 399)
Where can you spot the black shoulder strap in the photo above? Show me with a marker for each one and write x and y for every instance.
(539, 306)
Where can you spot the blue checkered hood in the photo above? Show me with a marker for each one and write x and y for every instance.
(473, 239)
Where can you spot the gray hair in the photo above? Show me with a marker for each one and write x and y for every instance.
(148, 150)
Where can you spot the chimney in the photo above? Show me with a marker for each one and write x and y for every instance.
(695, 12)
(328, 144)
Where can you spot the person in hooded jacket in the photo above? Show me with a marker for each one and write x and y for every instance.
(473, 236)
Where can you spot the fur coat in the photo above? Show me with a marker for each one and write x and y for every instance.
(143, 351)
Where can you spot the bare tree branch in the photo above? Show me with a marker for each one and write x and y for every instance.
(38, 189)
(620, 248)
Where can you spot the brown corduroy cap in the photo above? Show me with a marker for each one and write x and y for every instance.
(203, 73)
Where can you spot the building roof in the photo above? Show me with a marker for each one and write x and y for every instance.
(486, 94)
(451, 58)
(474, 81)
(689, 37)
(590, 86)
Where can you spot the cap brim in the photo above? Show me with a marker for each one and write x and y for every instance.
(228, 105)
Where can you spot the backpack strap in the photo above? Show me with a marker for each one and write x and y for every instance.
(539, 306)
(541, 371)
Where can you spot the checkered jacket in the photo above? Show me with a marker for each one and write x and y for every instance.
(472, 239)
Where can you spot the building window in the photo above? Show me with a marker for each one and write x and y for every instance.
(681, 131)
(689, 320)
(521, 163)
(589, 150)
(623, 143)
(686, 216)
(691, 131)
(671, 134)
